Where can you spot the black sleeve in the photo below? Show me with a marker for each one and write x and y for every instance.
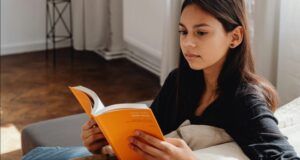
(164, 102)
(256, 131)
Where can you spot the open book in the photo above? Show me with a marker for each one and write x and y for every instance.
(118, 122)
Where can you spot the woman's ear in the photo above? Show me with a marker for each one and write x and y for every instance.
(236, 37)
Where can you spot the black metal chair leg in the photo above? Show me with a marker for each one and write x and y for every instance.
(54, 19)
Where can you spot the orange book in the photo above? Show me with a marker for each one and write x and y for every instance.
(118, 122)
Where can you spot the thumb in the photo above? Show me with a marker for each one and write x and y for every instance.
(108, 150)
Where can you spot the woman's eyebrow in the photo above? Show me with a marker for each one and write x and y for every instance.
(196, 26)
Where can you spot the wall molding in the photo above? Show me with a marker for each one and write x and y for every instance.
(133, 42)
(138, 53)
(108, 55)
(144, 57)
(19, 48)
(143, 60)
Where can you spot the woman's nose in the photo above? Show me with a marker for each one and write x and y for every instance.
(189, 42)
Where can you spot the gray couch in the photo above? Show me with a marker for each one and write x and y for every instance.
(63, 131)
(66, 132)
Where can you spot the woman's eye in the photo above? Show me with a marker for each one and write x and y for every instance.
(201, 33)
(182, 32)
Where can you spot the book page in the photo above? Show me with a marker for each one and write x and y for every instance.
(84, 101)
(95, 106)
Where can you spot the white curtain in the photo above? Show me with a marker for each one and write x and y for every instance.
(265, 43)
(91, 27)
(250, 8)
(171, 49)
(288, 77)
(277, 45)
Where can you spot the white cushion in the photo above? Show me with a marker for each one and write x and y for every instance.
(288, 115)
(200, 136)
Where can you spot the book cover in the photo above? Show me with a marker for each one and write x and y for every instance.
(118, 122)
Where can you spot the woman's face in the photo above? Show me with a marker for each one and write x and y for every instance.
(203, 40)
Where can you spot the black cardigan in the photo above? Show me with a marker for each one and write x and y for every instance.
(245, 117)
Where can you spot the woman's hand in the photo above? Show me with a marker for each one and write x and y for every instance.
(92, 137)
(152, 148)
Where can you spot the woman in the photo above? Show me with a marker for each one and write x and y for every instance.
(215, 84)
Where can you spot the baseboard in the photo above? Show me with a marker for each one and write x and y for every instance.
(138, 57)
(29, 47)
(141, 59)
(143, 55)
(144, 62)
(107, 55)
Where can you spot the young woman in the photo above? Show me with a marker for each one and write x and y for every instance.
(215, 85)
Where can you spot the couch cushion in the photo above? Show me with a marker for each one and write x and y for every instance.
(200, 136)
(288, 114)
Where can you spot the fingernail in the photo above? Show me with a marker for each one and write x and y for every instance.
(137, 133)
(131, 140)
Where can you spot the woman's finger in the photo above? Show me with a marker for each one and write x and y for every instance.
(176, 142)
(97, 147)
(141, 152)
(151, 150)
(93, 138)
(90, 132)
(89, 124)
(161, 145)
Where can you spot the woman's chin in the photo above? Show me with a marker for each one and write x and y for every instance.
(195, 66)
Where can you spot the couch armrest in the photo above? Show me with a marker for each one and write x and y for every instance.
(63, 131)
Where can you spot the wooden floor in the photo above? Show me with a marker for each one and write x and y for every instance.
(33, 90)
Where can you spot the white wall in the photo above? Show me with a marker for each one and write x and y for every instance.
(289, 51)
(23, 26)
(143, 28)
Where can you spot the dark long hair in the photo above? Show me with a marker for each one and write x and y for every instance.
(238, 66)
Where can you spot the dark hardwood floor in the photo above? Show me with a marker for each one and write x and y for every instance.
(33, 90)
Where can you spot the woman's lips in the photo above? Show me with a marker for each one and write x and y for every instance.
(191, 56)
